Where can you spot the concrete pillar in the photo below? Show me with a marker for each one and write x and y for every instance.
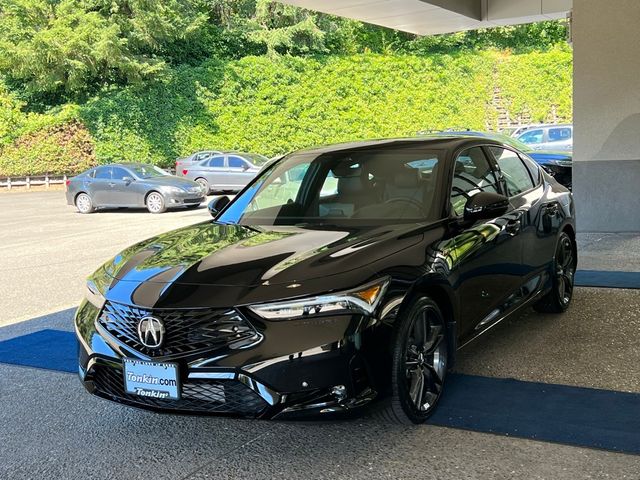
(606, 171)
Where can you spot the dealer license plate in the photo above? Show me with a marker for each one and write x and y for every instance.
(151, 379)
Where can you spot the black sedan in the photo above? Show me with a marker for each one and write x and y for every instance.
(132, 185)
(339, 275)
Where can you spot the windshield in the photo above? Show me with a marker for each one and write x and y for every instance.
(365, 186)
(256, 158)
(147, 171)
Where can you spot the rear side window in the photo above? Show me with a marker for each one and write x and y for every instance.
(559, 134)
(514, 172)
(533, 168)
(216, 161)
(103, 173)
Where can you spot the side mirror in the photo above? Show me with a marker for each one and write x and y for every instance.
(127, 180)
(484, 206)
(217, 204)
(245, 167)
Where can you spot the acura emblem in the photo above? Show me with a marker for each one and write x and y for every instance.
(151, 332)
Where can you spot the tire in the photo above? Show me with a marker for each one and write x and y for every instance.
(204, 184)
(564, 269)
(84, 204)
(419, 367)
(155, 203)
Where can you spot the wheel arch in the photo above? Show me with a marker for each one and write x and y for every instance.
(442, 293)
(75, 197)
(569, 229)
(146, 195)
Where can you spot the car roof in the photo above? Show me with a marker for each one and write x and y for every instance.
(437, 141)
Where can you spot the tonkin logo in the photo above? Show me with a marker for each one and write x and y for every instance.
(151, 332)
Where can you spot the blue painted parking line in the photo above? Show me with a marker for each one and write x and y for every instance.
(48, 349)
(607, 279)
(556, 413)
(571, 415)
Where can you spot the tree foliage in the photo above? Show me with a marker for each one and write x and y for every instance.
(86, 81)
(58, 50)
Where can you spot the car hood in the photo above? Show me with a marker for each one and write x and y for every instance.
(170, 181)
(231, 255)
(547, 155)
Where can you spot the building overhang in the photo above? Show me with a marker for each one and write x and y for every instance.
(430, 17)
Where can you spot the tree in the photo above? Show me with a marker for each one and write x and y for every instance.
(72, 48)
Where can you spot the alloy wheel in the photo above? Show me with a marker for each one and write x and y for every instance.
(83, 203)
(565, 270)
(204, 184)
(155, 202)
(425, 359)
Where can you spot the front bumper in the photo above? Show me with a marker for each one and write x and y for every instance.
(281, 375)
(183, 199)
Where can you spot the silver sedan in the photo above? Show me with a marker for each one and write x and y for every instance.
(132, 185)
(224, 172)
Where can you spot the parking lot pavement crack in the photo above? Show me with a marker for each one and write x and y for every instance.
(224, 454)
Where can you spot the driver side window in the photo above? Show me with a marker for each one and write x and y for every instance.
(472, 174)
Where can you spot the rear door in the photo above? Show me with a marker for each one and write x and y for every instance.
(489, 252)
(100, 186)
(559, 138)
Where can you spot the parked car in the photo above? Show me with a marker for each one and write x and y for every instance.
(131, 185)
(557, 163)
(298, 299)
(194, 158)
(225, 171)
(516, 131)
(551, 137)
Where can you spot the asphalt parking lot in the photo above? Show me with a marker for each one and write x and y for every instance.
(50, 428)
(48, 249)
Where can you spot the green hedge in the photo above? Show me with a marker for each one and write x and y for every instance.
(273, 105)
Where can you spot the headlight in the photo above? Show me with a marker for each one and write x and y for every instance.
(174, 190)
(97, 285)
(94, 296)
(362, 300)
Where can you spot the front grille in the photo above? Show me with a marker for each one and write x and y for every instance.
(186, 331)
(192, 200)
(208, 396)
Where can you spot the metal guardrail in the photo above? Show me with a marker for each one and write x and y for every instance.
(31, 181)
(46, 180)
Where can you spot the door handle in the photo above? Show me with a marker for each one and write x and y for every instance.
(111, 184)
(512, 227)
(551, 210)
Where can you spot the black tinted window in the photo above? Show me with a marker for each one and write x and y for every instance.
(103, 173)
(559, 134)
(515, 174)
(533, 168)
(237, 162)
(217, 161)
(472, 174)
(119, 173)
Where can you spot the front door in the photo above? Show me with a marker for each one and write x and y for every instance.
(239, 173)
(123, 192)
(488, 253)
